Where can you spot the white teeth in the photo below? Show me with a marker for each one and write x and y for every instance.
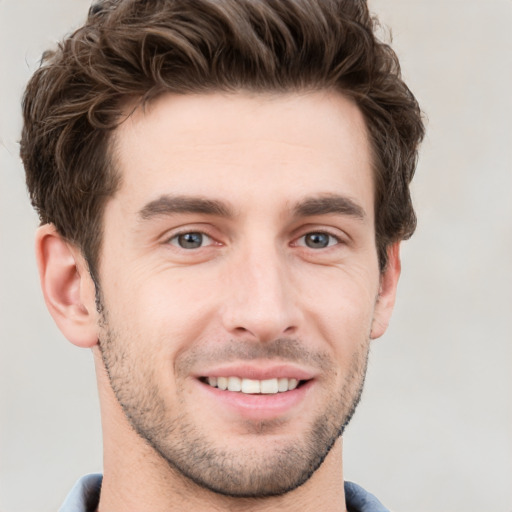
(269, 386)
(222, 383)
(234, 384)
(253, 387)
(282, 385)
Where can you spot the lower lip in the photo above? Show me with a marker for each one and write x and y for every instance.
(262, 406)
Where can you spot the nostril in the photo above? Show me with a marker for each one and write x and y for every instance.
(242, 331)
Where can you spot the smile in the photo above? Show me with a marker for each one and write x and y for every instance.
(252, 386)
(257, 393)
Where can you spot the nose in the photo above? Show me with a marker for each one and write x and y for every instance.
(260, 296)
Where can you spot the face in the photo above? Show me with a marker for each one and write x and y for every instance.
(240, 283)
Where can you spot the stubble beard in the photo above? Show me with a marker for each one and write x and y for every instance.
(191, 453)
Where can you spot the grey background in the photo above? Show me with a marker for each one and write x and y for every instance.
(434, 429)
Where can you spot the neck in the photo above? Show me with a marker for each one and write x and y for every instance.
(137, 479)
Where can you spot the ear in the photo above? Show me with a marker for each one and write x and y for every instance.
(67, 286)
(387, 292)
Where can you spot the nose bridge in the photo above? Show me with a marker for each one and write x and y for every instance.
(261, 296)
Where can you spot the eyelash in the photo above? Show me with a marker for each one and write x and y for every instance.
(174, 240)
(331, 238)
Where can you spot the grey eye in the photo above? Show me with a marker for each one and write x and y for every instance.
(192, 240)
(319, 240)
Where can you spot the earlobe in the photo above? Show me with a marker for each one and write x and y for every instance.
(67, 287)
(387, 292)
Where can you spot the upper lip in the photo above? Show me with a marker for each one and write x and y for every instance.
(259, 372)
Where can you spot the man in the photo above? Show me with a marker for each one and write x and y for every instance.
(222, 187)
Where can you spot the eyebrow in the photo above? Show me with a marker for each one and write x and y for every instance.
(309, 207)
(168, 205)
(325, 205)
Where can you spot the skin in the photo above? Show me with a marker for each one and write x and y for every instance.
(255, 295)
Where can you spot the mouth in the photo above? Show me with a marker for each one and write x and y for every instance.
(246, 386)
(257, 392)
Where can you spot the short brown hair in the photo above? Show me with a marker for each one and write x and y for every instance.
(131, 49)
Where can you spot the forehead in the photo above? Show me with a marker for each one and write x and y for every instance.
(240, 145)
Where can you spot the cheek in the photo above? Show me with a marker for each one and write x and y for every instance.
(165, 310)
(341, 306)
